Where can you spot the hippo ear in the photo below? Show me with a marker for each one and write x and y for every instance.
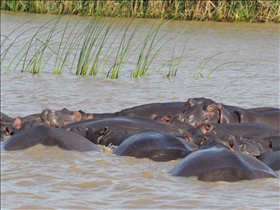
(240, 115)
(187, 105)
(269, 144)
(85, 116)
(17, 123)
(223, 118)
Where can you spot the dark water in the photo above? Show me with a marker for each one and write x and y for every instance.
(50, 178)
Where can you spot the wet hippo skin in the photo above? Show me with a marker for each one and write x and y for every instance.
(49, 136)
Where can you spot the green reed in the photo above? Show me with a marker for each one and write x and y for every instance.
(217, 10)
(122, 50)
(200, 68)
(148, 45)
(102, 45)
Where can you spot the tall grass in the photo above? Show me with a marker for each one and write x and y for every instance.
(101, 45)
(217, 10)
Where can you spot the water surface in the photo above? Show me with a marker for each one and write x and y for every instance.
(50, 178)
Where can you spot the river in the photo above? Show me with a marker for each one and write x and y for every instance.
(50, 178)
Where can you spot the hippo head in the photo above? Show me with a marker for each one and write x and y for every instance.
(52, 117)
(210, 140)
(106, 136)
(205, 113)
(196, 101)
(79, 129)
(13, 126)
(230, 142)
(95, 135)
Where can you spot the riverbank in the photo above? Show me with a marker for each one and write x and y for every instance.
(230, 11)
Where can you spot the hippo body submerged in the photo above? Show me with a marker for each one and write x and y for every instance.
(155, 145)
(48, 136)
(221, 164)
(145, 110)
(159, 131)
(271, 159)
(132, 125)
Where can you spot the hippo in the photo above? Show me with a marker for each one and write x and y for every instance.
(78, 129)
(216, 162)
(17, 122)
(205, 101)
(145, 110)
(271, 159)
(248, 136)
(49, 136)
(30, 124)
(64, 116)
(132, 125)
(266, 117)
(107, 136)
(208, 112)
(5, 120)
(242, 129)
(201, 129)
(262, 145)
(169, 119)
(274, 141)
(232, 142)
(155, 145)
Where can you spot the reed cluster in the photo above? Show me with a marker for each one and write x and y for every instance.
(217, 10)
(101, 45)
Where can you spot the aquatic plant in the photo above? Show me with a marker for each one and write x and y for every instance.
(102, 44)
(217, 10)
(197, 72)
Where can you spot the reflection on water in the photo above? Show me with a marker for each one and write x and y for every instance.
(47, 177)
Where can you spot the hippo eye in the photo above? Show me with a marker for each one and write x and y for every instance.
(103, 131)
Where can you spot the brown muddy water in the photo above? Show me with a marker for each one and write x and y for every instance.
(50, 178)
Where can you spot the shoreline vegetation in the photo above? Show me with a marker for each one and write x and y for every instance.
(211, 10)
